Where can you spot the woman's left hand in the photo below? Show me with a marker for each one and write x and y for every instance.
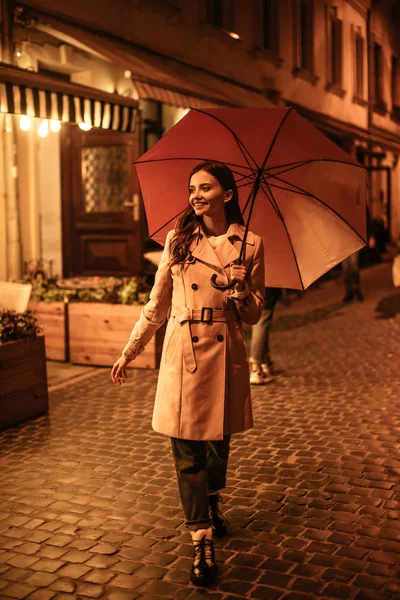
(238, 272)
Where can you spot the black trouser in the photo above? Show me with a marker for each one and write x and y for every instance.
(351, 272)
(201, 470)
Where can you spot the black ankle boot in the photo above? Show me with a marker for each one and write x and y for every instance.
(204, 568)
(218, 521)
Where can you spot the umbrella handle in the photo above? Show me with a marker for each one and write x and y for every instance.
(222, 286)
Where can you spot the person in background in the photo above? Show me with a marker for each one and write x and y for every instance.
(262, 366)
(351, 267)
(351, 274)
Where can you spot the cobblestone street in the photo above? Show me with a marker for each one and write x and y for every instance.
(89, 504)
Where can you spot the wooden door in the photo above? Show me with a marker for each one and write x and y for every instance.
(102, 230)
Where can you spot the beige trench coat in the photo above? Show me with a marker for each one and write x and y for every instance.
(203, 388)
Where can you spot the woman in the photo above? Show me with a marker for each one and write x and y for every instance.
(203, 392)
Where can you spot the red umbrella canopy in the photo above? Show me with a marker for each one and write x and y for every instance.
(310, 208)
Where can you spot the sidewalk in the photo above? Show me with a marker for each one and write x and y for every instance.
(89, 506)
(60, 374)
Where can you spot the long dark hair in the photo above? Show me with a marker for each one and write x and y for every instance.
(188, 222)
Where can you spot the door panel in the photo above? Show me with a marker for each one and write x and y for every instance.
(101, 206)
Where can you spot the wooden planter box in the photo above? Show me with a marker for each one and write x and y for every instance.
(98, 333)
(51, 317)
(23, 381)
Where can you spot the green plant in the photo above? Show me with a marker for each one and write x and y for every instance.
(54, 294)
(129, 290)
(18, 326)
(133, 291)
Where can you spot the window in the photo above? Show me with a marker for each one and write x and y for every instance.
(395, 88)
(379, 103)
(215, 13)
(335, 48)
(306, 35)
(359, 66)
(220, 13)
(395, 82)
(268, 10)
(152, 119)
(105, 178)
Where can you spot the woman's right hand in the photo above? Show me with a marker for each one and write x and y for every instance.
(118, 371)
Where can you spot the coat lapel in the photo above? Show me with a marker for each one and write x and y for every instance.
(224, 254)
(227, 252)
(205, 253)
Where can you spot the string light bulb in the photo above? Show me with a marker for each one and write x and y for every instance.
(55, 126)
(43, 128)
(85, 126)
(24, 123)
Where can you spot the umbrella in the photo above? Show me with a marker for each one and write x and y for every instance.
(297, 189)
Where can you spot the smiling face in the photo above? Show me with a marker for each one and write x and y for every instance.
(206, 195)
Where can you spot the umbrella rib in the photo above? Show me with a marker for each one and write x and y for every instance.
(289, 239)
(275, 137)
(239, 142)
(300, 163)
(166, 223)
(202, 159)
(261, 169)
(271, 199)
(305, 193)
(250, 179)
(307, 162)
(286, 189)
(292, 168)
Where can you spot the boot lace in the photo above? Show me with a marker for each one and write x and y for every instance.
(204, 545)
(209, 552)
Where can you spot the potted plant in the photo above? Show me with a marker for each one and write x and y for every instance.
(23, 380)
(87, 320)
(49, 304)
(101, 318)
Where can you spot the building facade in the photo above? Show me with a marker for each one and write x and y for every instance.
(71, 196)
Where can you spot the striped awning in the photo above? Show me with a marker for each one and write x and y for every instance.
(173, 97)
(28, 93)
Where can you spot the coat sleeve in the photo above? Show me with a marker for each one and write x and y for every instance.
(250, 301)
(156, 310)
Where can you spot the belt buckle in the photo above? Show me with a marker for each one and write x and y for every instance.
(205, 319)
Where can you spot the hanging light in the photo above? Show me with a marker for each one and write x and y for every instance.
(24, 123)
(43, 128)
(55, 126)
(85, 126)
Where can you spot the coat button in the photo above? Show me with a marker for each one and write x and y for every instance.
(195, 286)
(220, 338)
(195, 339)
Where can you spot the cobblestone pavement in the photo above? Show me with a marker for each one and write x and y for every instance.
(89, 505)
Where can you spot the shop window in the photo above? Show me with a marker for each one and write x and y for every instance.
(359, 66)
(379, 102)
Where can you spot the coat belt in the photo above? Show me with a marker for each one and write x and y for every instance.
(185, 315)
